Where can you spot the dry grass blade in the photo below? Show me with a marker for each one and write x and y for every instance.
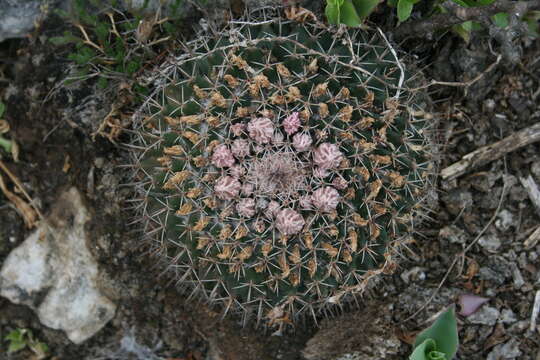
(29, 215)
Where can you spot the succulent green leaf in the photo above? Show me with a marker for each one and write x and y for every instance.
(404, 9)
(443, 332)
(422, 350)
(349, 16)
(332, 11)
(365, 7)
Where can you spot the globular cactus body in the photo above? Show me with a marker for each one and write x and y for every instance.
(281, 165)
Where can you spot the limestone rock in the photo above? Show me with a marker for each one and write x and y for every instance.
(54, 273)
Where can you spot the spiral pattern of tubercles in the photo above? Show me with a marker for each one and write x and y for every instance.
(286, 166)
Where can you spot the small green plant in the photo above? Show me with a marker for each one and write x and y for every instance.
(354, 12)
(20, 339)
(4, 143)
(439, 341)
(349, 12)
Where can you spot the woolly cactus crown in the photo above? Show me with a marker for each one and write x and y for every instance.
(280, 164)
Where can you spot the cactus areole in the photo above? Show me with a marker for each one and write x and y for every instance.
(281, 165)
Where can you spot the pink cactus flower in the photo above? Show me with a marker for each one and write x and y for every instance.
(240, 148)
(238, 129)
(261, 130)
(325, 199)
(272, 209)
(302, 142)
(327, 156)
(320, 172)
(246, 207)
(222, 156)
(291, 123)
(305, 202)
(247, 189)
(289, 222)
(227, 188)
(339, 183)
(237, 171)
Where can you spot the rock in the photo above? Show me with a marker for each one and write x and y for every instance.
(457, 200)
(505, 219)
(487, 315)
(364, 334)
(490, 242)
(54, 273)
(508, 350)
(497, 270)
(453, 234)
(17, 17)
(508, 316)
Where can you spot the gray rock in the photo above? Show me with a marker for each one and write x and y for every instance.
(54, 273)
(490, 242)
(508, 350)
(497, 270)
(505, 219)
(17, 17)
(508, 316)
(485, 316)
(457, 200)
(453, 234)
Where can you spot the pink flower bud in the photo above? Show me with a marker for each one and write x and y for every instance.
(291, 123)
(247, 189)
(261, 130)
(289, 222)
(227, 188)
(339, 183)
(240, 148)
(237, 171)
(222, 156)
(238, 129)
(302, 142)
(320, 172)
(325, 199)
(272, 209)
(246, 207)
(305, 202)
(327, 156)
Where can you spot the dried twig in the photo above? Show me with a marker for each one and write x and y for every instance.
(18, 184)
(533, 239)
(457, 14)
(492, 152)
(532, 189)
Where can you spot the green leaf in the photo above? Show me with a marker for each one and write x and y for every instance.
(332, 11)
(463, 30)
(404, 9)
(365, 7)
(436, 355)
(2, 110)
(15, 346)
(444, 332)
(501, 20)
(349, 16)
(421, 350)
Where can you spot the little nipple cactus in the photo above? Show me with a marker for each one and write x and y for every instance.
(280, 166)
